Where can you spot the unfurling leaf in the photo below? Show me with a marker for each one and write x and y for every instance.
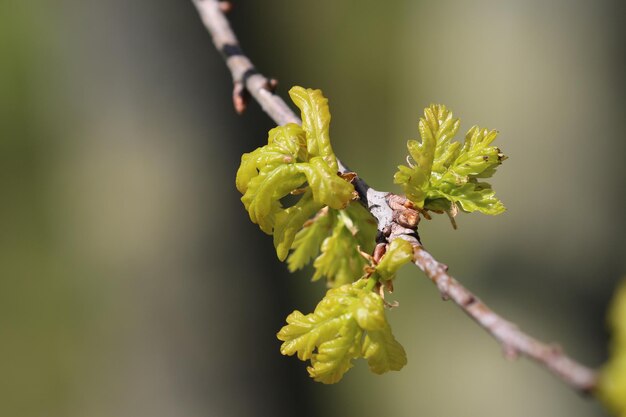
(289, 221)
(398, 253)
(445, 174)
(315, 122)
(338, 234)
(612, 384)
(436, 130)
(296, 160)
(348, 323)
(306, 245)
(334, 357)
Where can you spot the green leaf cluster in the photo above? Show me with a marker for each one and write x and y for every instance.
(445, 174)
(324, 226)
(296, 160)
(348, 323)
(612, 383)
(333, 239)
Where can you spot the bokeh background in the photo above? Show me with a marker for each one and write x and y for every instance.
(132, 282)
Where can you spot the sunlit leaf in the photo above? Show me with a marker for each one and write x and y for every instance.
(315, 122)
(348, 323)
(306, 245)
(334, 357)
(288, 222)
(383, 352)
(338, 235)
(296, 160)
(447, 174)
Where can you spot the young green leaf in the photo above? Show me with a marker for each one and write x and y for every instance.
(398, 253)
(328, 188)
(477, 158)
(447, 174)
(340, 234)
(334, 357)
(304, 333)
(315, 122)
(289, 221)
(383, 352)
(285, 144)
(471, 196)
(612, 384)
(333, 335)
(306, 245)
(296, 160)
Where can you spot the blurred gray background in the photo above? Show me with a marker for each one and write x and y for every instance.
(132, 282)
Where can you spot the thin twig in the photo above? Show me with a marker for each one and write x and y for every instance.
(513, 340)
(394, 214)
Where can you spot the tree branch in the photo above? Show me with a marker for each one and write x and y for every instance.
(395, 215)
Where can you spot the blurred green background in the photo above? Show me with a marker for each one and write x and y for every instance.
(132, 282)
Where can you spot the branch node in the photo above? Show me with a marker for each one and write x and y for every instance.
(444, 289)
(556, 349)
(379, 251)
(510, 352)
(226, 6)
(241, 96)
(348, 176)
(397, 202)
(471, 299)
(408, 218)
(271, 84)
(424, 213)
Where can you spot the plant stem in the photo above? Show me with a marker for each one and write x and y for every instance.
(371, 283)
(394, 215)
